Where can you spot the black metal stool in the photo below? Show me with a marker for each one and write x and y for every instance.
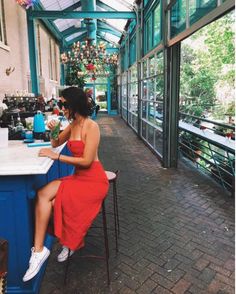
(106, 257)
(112, 177)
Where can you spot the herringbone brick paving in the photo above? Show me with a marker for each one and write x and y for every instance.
(177, 228)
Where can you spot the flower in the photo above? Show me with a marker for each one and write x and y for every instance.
(26, 3)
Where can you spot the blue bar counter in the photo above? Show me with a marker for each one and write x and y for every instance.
(22, 172)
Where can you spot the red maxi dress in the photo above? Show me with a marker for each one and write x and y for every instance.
(78, 200)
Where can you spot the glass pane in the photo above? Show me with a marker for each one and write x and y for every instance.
(151, 89)
(158, 141)
(152, 66)
(133, 98)
(144, 109)
(178, 17)
(199, 8)
(150, 134)
(145, 68)
(159, 114)
(157, 24)
(132, 55)
(144, 90)
(134, 73)
(144, 127)
(160, 63)
(150, 111)
(159, 87)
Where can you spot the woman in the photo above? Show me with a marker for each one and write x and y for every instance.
(77, 198)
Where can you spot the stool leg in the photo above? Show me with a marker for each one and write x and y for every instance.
(67, 267)
(106, 240)
(115, 217)
(116, 204)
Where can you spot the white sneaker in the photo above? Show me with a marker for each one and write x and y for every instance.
(64, 254)
(36, 261)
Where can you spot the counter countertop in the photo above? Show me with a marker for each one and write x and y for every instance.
(19, 159)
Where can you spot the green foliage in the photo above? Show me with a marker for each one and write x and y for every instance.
(207, 61)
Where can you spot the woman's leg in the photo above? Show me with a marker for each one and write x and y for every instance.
(43, 210)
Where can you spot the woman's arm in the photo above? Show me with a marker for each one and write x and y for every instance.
(90, 149)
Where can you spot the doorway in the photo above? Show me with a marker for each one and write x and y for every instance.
(99, 95)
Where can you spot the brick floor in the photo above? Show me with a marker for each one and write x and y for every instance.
(177, 228)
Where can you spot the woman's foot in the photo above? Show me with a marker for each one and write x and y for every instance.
(64, 254)
(35, 263)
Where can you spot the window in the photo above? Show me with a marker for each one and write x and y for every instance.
(3, 38)
(148, 30)
(50, 59)
(53, 59)
(157, 24)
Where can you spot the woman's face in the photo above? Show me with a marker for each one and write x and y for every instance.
(65, 110)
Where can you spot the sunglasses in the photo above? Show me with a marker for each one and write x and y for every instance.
(63, 104)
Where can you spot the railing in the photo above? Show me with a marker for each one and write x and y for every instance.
(222, 129)
(212, 152)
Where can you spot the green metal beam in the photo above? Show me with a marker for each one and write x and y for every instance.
(105, 6)
(53, 14)
(33, 55)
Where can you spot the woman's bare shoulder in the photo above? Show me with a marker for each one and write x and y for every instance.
(91, 124)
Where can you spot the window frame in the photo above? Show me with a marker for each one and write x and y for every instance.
(3, 37)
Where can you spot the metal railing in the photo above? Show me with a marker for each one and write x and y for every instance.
(211, 151)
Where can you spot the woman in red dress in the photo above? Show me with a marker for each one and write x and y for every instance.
(77, 198)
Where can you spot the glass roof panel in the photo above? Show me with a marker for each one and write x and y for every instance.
(119, 5)
(74, 36)
(57, 4)
(111, 38)
(63, 24)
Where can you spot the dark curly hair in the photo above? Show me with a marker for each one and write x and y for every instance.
(77, 102)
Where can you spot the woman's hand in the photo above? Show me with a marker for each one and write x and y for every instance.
(51, 124)
(47, 152)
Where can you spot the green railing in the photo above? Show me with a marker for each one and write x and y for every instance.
(210, 151)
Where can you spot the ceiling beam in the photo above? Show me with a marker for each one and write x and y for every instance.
(52, 14)
(109, 30)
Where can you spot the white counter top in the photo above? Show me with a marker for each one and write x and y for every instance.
(19, 159)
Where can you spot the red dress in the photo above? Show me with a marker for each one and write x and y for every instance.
(78, 200)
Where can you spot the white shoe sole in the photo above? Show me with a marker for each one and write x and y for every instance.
(34, 273)
(64, 258)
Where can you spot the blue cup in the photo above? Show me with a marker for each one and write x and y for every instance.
(29, 135)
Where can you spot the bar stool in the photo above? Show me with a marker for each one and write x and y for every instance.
(112, 177)
(106, 257)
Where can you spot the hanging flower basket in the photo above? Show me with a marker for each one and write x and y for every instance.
(26, 3)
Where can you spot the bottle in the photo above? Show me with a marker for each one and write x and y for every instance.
(12, 122)
(55, 132)
(19, 125)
